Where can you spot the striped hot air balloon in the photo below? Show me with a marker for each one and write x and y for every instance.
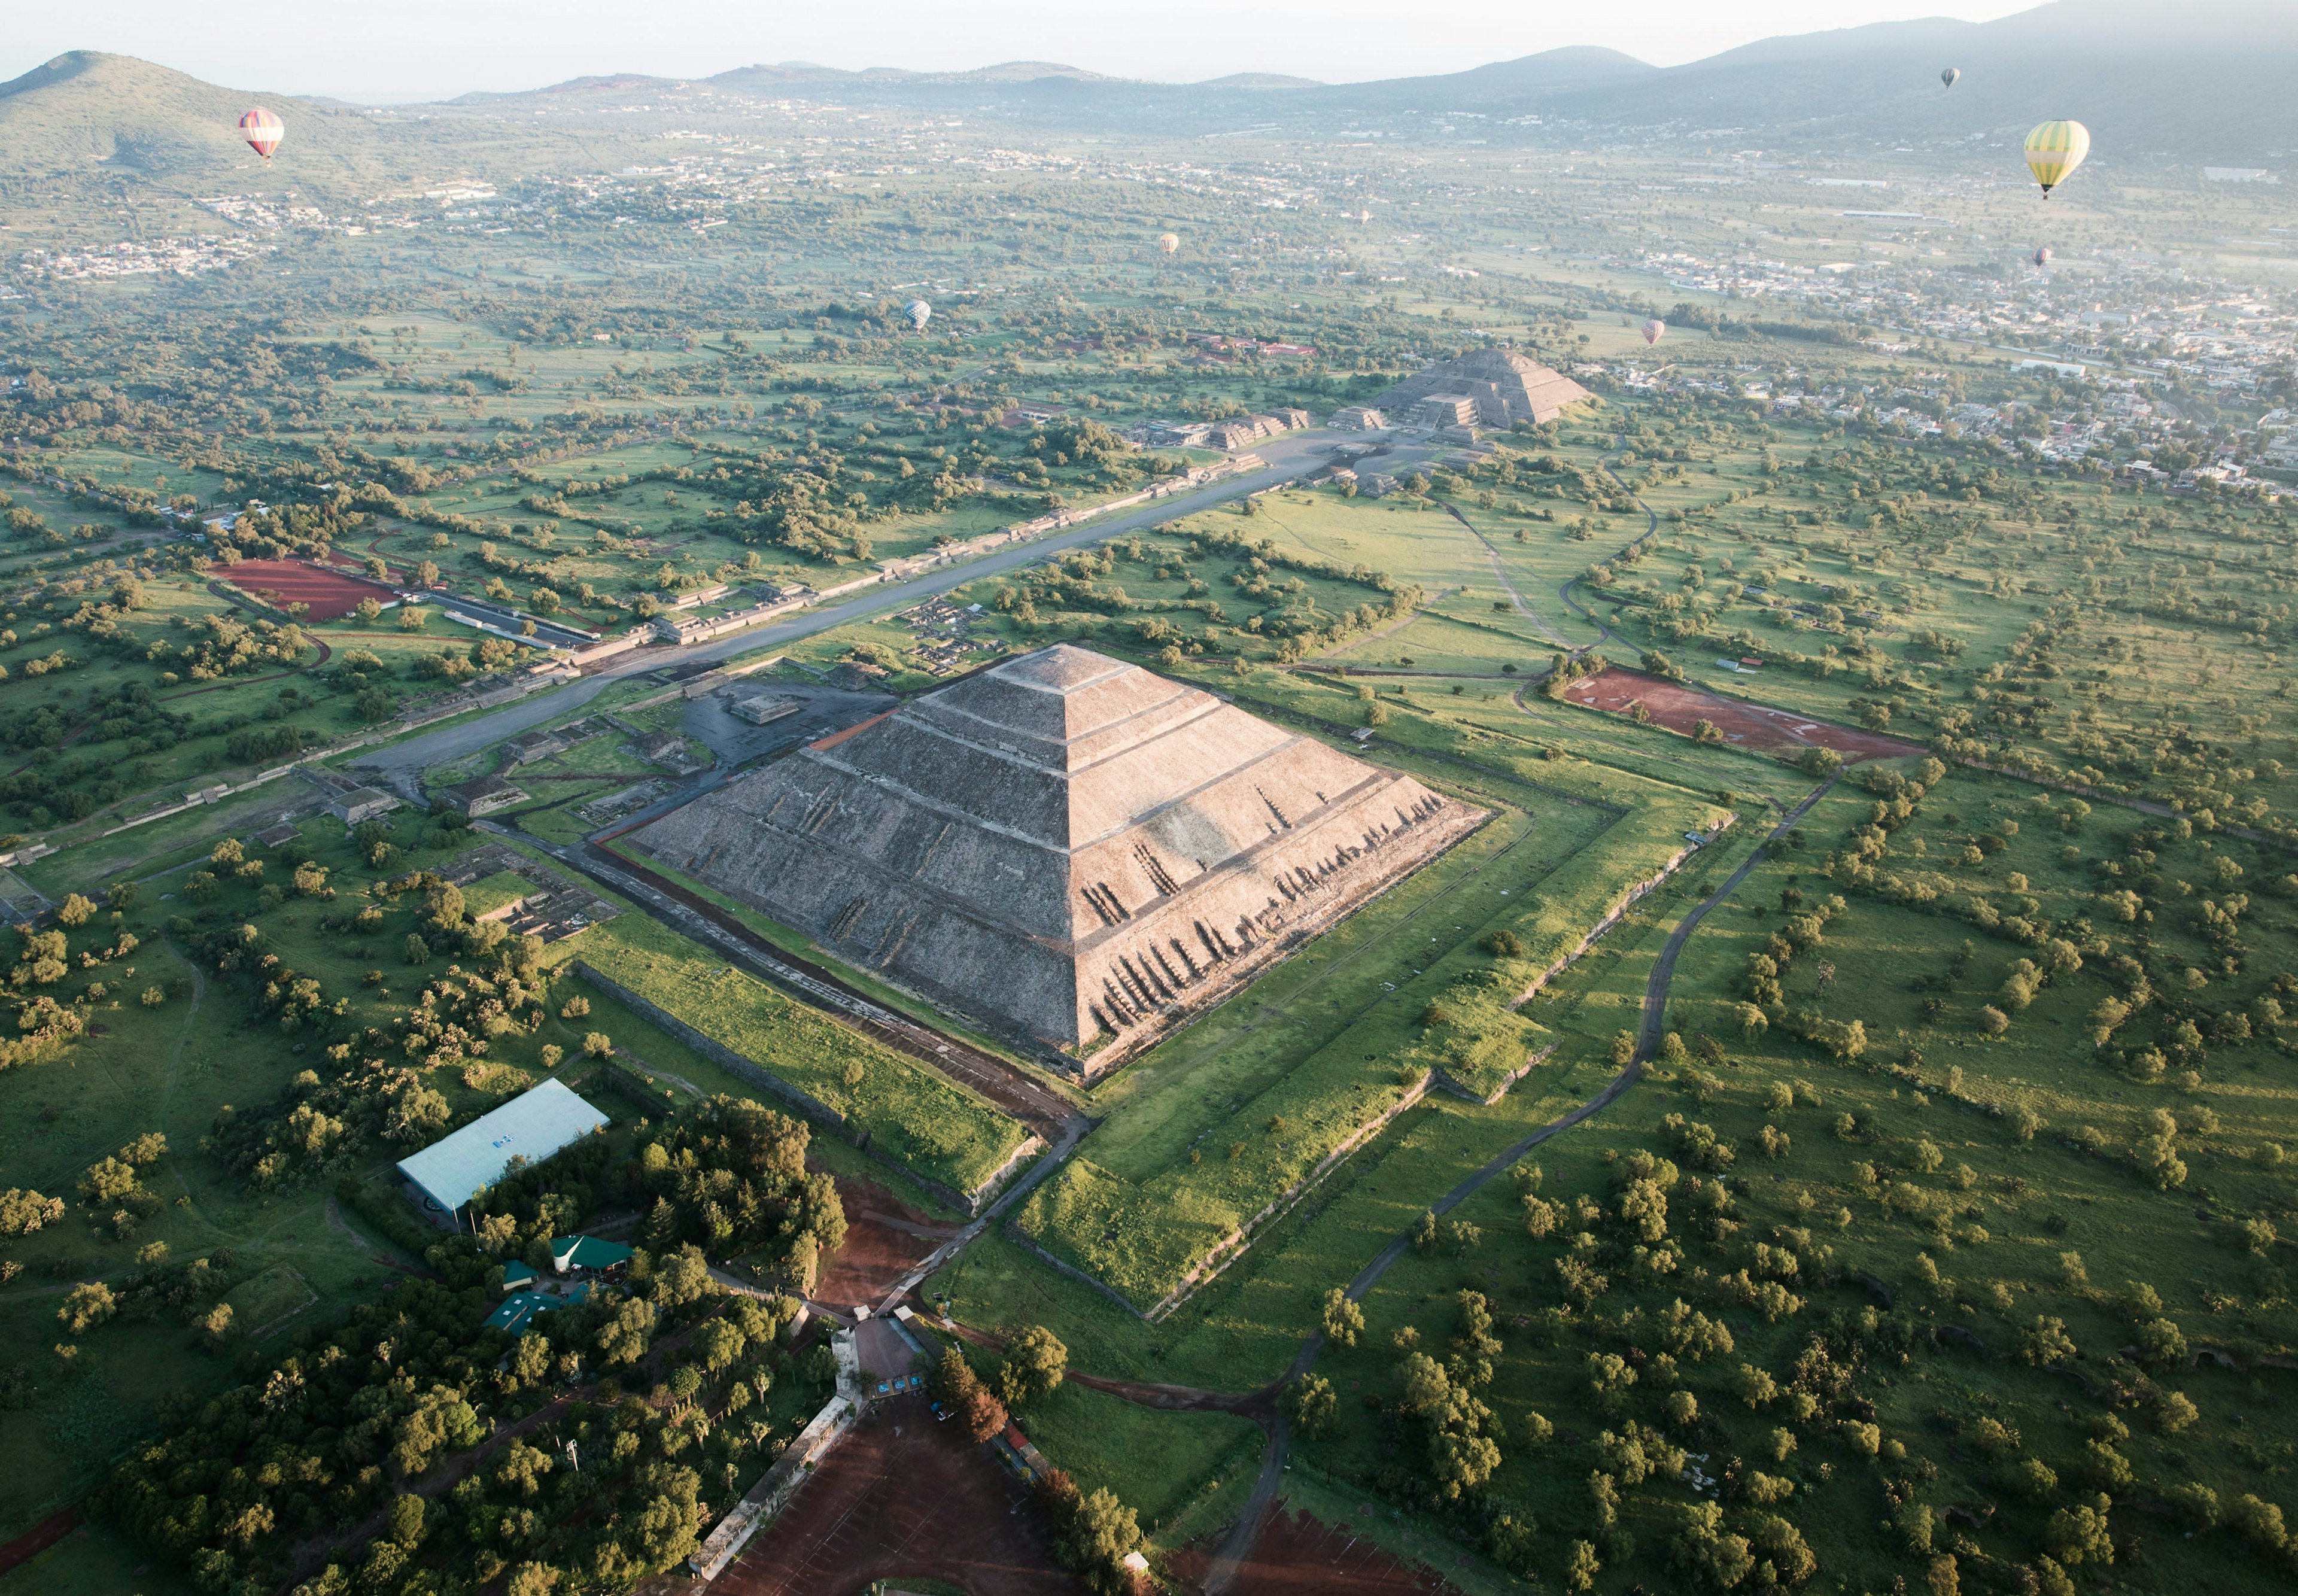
(2054, 151)
(1949, 77)
(262, 131)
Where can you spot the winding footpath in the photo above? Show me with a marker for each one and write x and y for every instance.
(1604, 634)
(1237, 1547)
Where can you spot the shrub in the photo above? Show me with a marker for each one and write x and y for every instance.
(2047, 1342)
(23, 1211)
(87, 1305)
(1311, 1404)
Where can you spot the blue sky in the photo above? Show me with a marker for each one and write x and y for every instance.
(435, 49)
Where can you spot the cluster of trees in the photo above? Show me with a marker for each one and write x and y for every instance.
(331, 1438)
(730, 1177)
(1292, 618)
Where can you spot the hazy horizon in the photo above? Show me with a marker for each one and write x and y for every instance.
(428, 49)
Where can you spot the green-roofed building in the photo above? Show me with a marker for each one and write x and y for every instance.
(518, 1309)
(570, 1254)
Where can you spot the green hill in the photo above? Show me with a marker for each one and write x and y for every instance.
(91, 114)
(88, 108)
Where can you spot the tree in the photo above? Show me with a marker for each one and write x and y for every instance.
(406, 1521)
(1311, 1404)
(23, 1211)
(87, 1305)
(1101, 1534)
(106, 1181)
(718, 1343)
(2160, 1342)
(75, 911)
(682, 1277)
(2080, 1534)
(1756, 1385)
(1463, 1462)
(805, 1262)
(2047, 1342)
(959, 1388)
(2259, 1523)
(1035, 1362)
(441, 1422)
(1581, 1567)
(1344, 1320)
(628, 1331)
(1426, 1383)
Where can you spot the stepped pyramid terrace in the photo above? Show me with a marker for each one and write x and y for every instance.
(1494, 387)
(1075, 851)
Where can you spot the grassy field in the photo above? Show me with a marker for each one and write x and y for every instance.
(1156, 1462)
(909, 1112)
(1998, 1216)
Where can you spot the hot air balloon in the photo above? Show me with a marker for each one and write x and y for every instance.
(1947, 79)
(2054, 151)
(1169, 242)
(262, 131)
(1653, 329)
(919, 312)
(2042, 257)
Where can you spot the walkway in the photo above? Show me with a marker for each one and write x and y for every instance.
(1288, 458)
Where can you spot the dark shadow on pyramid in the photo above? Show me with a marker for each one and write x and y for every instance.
(1072, 850)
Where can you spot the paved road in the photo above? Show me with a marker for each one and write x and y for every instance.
(1238, 1548)
(1287, 458)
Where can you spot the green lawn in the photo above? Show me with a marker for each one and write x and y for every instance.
(910, 1114)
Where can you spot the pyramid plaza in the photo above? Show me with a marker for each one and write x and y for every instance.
(1076, 852)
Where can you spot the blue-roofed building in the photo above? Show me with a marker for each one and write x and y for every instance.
(531, 1127)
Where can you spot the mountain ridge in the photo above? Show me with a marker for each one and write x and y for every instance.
(2206, 84)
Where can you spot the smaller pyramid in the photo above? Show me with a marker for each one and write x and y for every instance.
(1069, 849)
(1507, 387)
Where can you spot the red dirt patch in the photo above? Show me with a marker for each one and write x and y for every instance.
(38, 1538)
(1681, 706)
(331, 594)
(1296, 1555)
(885, 1240)
(903, 1496)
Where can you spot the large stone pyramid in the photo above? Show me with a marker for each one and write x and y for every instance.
(1063, 846)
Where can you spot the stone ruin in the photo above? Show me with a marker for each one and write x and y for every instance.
(1504, 386)
(1074, 851)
